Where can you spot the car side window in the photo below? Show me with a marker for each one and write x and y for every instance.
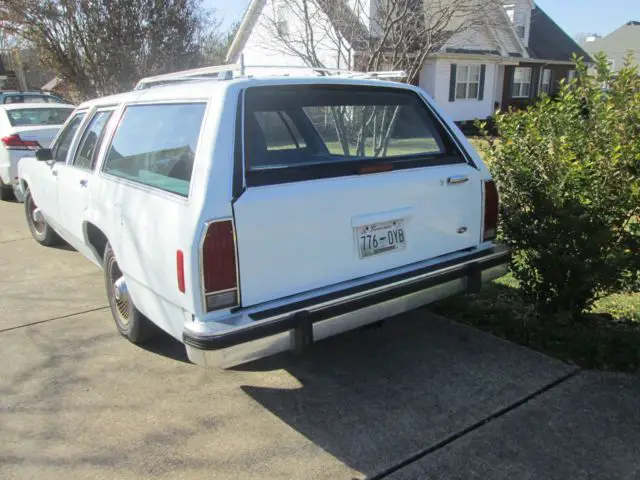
(89, 144)
(155, 145)
(14, 99)
(61, 148)
(35, 99)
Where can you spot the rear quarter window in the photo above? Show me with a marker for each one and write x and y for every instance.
(155, 145)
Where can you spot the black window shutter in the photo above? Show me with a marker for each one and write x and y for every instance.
(452, 82)
(535, 81)
(510, 73)
(483, 73)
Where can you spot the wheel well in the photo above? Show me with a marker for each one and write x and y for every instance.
(96, 239)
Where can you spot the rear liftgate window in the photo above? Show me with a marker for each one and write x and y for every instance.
(295, 133)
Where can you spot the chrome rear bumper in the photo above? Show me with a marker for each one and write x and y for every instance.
(296, 325)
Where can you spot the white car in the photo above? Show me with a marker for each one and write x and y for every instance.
(24, 128)
(254, 214)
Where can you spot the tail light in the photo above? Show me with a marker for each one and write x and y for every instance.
(14, 142)
(490, 226)
(219, 267)
(180, 270)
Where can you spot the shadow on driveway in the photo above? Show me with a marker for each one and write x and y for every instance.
(375, 397)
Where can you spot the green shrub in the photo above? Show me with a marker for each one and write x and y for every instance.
(568, 173)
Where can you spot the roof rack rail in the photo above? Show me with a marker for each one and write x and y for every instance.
(226, 72)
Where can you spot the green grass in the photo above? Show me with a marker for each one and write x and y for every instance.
(607, 340)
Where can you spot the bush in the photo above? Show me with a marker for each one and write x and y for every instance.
(568, 173)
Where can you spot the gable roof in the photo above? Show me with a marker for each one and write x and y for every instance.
(547, 41)
(625, 38)
(345, 21)
(342, 17)
(249, 20)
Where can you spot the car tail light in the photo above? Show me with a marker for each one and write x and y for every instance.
(14, 142)
(219, 267)
(180, 270)
(490, 226)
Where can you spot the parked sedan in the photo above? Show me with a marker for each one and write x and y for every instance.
(8, 97)
(25, 127)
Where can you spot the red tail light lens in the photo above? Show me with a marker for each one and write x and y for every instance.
(490, 228)
(14, 142)
(220, 276)
(180, 270)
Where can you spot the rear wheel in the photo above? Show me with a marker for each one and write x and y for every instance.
(129, 321)
(40, 229)
(6, 193)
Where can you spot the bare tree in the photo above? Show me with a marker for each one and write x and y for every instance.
(216, 42)
(371, 35)
(393, 34)
(104, 46)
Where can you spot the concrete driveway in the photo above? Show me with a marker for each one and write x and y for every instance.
(421, 397)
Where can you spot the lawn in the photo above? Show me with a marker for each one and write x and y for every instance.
(609, 339)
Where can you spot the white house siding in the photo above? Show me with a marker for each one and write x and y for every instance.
(262, 47)
(462, 110)
(427, 79)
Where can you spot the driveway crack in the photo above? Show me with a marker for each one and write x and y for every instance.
(475, 426)
(52, 319)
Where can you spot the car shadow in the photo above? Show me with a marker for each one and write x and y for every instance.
(374, 398)
(64, 246)
(165, 345)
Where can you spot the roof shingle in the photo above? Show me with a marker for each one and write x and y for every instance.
(547, 41)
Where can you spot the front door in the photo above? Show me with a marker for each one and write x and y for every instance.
(45, 191)
(75, 179)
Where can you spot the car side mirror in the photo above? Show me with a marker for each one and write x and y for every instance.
(44, 154)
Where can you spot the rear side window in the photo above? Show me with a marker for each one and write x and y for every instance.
(306, 132)
(155, 145)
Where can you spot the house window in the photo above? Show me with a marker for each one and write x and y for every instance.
(520, 23)
(521, 87)
(571, 75)
(281, 20)
(467, 82)
(546, 81)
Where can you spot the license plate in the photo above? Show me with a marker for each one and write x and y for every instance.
(377, 238)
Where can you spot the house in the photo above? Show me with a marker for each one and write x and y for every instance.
(508, 61)
(4, 74)
(617, 45)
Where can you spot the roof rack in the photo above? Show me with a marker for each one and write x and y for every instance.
(226, 72)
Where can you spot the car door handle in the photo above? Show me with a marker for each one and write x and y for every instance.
(54, 173)
(457, 179)
(84, 182)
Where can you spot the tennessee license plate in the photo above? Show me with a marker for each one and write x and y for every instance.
(377, 238)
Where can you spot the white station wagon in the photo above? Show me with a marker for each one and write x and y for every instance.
(248, 214)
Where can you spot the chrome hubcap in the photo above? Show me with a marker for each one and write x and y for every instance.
(120, 293)
(120, 290)
(37, 216)
(37, 219)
